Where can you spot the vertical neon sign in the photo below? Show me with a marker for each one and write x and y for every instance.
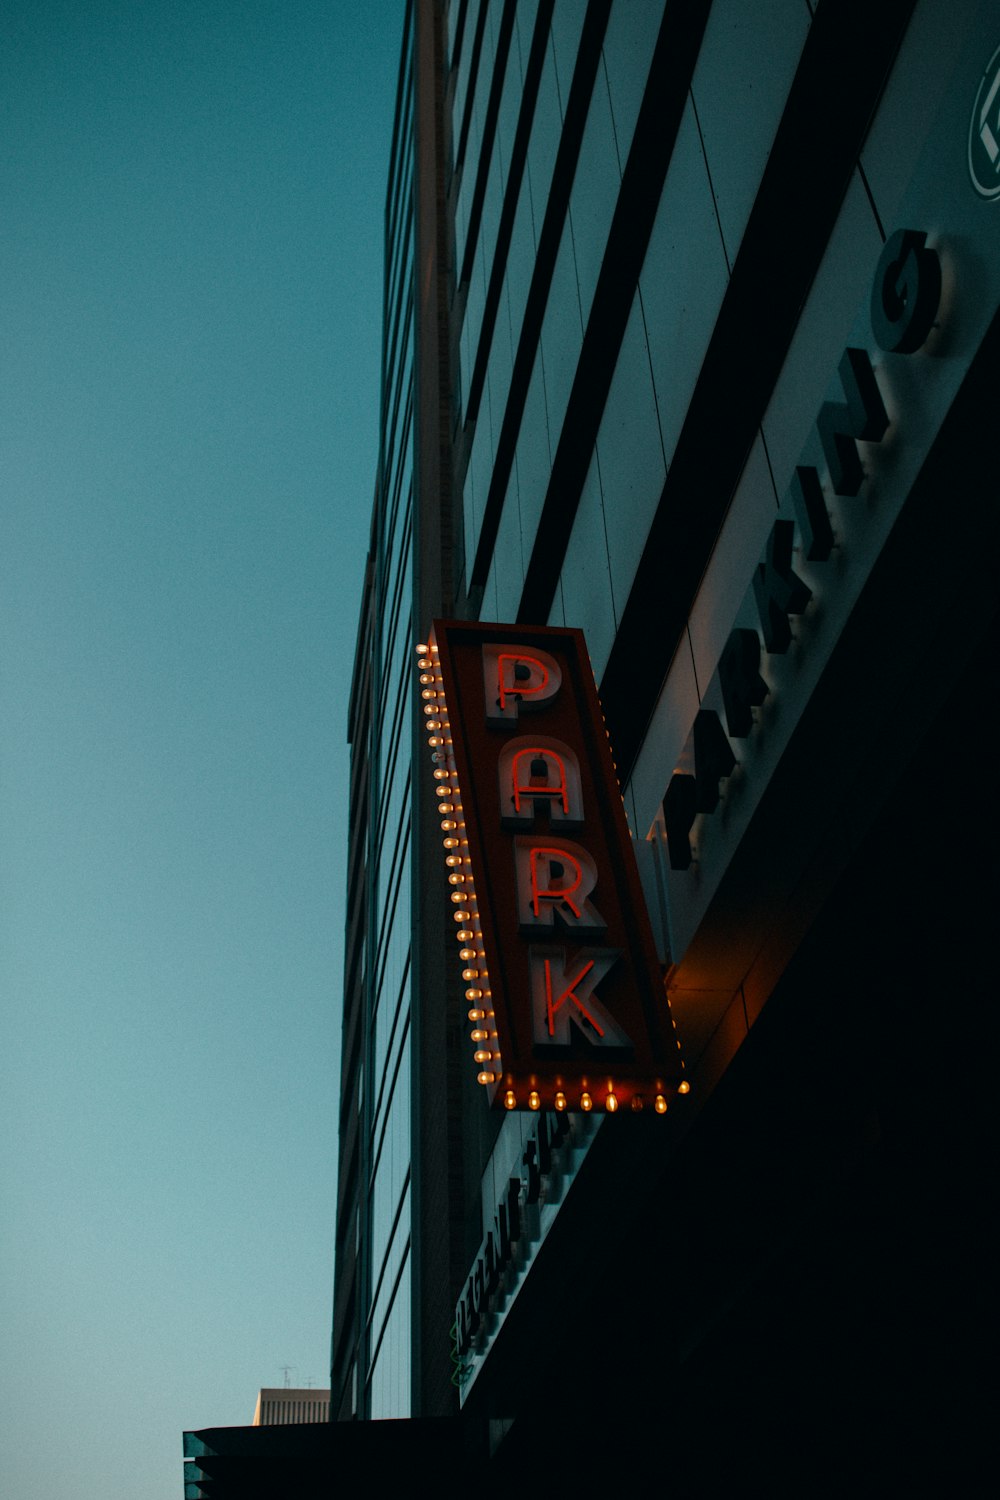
(565, 994)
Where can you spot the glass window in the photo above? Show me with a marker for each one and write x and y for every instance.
(567, 24)
(595, 192)
(534, 457)
(682, 282)
(628, 50)
(631, 456)
(390, 1377)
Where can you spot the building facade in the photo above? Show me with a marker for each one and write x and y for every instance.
(690, 341)
(393, 1193)
(281, 1405)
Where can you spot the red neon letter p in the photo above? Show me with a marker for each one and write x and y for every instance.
(515, 678)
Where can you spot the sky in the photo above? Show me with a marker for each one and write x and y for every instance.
(191, 200)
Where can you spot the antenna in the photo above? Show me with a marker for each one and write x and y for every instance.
(286, 1369)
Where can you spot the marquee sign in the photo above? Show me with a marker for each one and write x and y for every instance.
(566, 997)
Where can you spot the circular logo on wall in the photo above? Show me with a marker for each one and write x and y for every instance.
(984, 132)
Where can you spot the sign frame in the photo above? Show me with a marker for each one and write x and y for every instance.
(567, 996)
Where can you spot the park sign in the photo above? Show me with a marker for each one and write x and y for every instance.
(564, 990)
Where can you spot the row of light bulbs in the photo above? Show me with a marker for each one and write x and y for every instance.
(463, 894)
(586, 1100)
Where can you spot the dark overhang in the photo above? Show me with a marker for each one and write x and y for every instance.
(308, 1460)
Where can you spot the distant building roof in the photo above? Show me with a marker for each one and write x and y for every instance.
(281, 1405)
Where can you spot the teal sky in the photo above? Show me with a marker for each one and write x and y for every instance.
(191, 200)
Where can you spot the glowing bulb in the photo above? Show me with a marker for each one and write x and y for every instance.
(423, 665)
(422, 650)
(660, 1104)
(586, 1103)
(479, 1035)
(465, 936)
(473, 994)
(510, 1099)
(684, 1088)
(483, 1055)
(468, 974)
(534, 1099)
(477, 1015)
(428, 693)
(450, 843)
(611, 1103)
(462, 916)
(454, 861)
(467, 954)
(425, 677)
(560, 1101)
(448, 825)
(484, 1077)
(442, 791)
